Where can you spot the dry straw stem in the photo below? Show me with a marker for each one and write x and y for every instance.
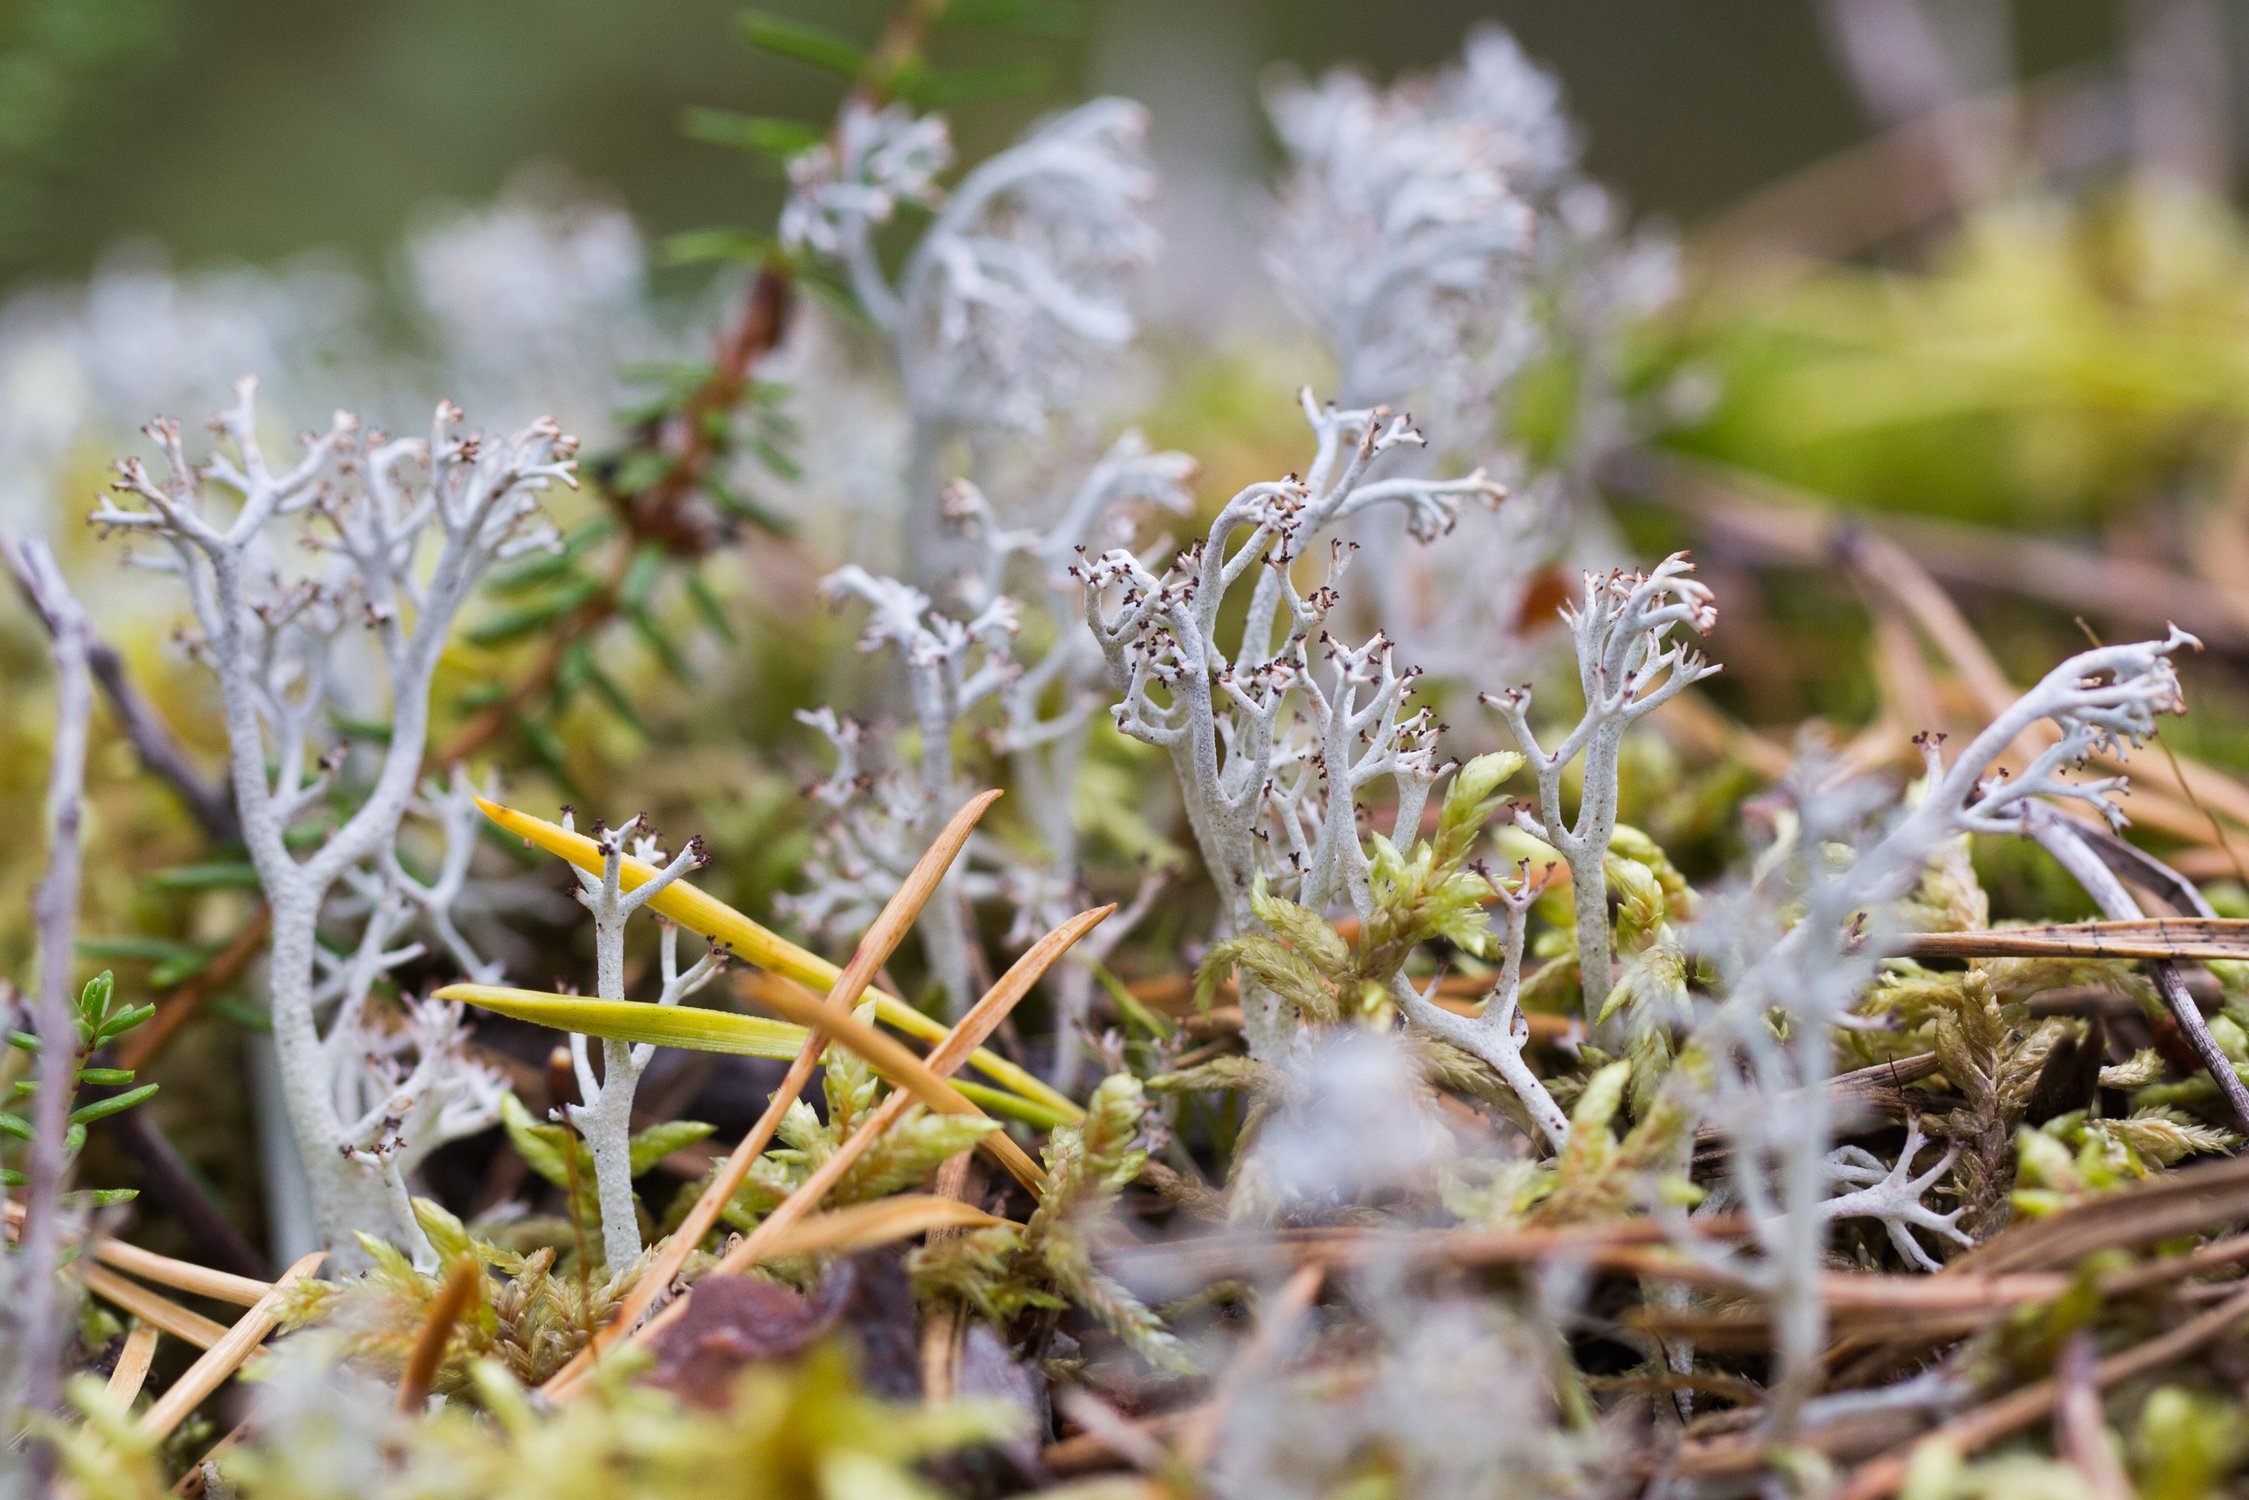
(2022, 1408)
(225, 1357)
(762, 1242)
(445, 1311)
(131, 1370)
(702, 913)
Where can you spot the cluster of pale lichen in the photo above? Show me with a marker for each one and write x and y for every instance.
(1450, 1137)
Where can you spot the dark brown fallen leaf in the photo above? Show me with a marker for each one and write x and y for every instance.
(733, 1322)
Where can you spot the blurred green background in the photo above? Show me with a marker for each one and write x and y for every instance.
(253, 129)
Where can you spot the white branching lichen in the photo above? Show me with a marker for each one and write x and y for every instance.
(1804, 948)
(1630, 661)
(604, 1111)
(1499, 1034)
(398, 531)
(1270, 754)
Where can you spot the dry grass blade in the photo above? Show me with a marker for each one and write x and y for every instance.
(862, 1226)
(152, 1309)
(223, 1358)
(2019, 1409)
(133, 1360)
(445, 1311)
(2148, 938)
(736, 1168)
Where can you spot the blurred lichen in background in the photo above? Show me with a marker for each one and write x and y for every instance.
(1294, 758)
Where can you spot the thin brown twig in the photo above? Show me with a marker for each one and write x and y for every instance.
(55, 913)
(142, 1046)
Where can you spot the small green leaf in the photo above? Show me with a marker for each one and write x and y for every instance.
(124, 1021)
(546, 748)
(102, 1109)
(100, 1197)
(814, 46)
(1045, 18)
(154, 950)
(606, 688)
(641, 575)
(536, 616)
(652, 1145)
(105, 1078)
(543, 1147)
(945, 88)
(776, 138)
(652, 635)
(93, 1000)
(178, 971)
(707, 605)
(533, 573)
(15, 1125)
(749, 512)
(243, 1013)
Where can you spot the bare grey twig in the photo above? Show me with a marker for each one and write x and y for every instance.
(55, 912)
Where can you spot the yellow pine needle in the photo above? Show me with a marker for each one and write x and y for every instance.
(690, 1027)
(700, 912)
